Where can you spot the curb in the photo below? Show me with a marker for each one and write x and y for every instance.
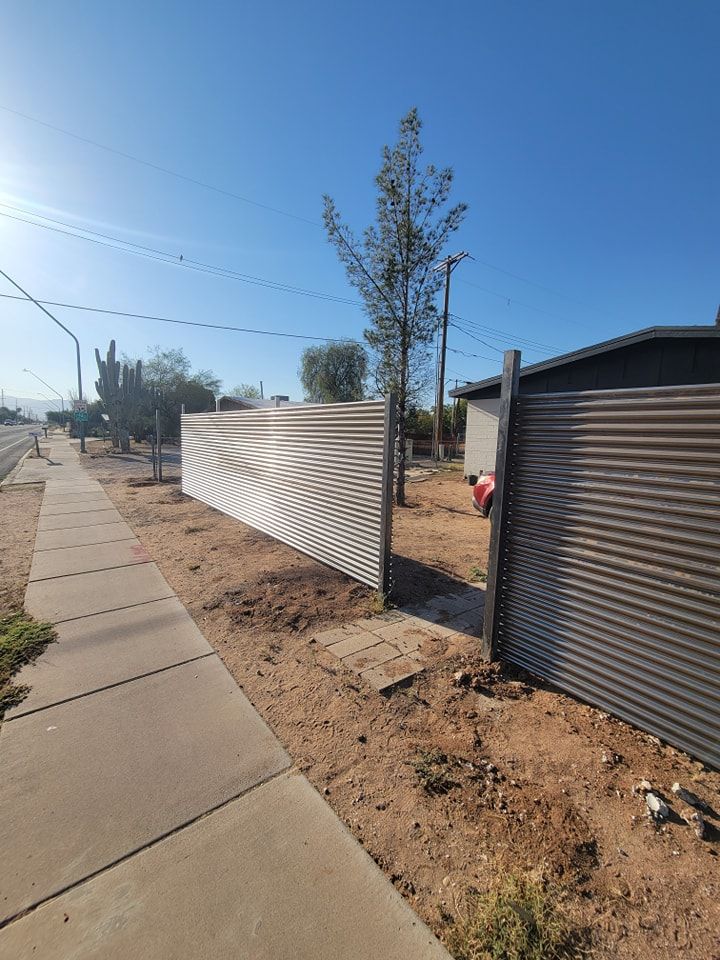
(8, 481)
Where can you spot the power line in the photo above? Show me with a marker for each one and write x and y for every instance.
(533, 283)
(477, 356)
(469, 332)
(528, 306)
(461, 376)
(285, 213)
(186, 323)
(164, 256)
(214, 270)
(472, 336)
(158, 168)
(508, 336)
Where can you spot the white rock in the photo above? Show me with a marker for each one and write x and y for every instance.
(642, 788)
(688, 797)
(695, 819)
(657, 808)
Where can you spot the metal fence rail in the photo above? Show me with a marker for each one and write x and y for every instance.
(319, 478)
(608, 582)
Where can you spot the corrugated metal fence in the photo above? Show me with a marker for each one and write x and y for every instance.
(319, 478)
(608, 577)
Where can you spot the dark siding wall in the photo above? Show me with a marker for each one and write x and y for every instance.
(226, 403)
(653, 363)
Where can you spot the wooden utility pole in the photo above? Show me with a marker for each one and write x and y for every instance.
(448, 265)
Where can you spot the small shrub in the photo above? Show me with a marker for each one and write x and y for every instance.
(478, 575)
(433, 768)
(519, 918)
(22, 640)
(379, 602)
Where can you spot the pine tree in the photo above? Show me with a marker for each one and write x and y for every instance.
(392, 268)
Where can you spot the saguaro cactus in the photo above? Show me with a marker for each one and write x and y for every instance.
(120, 392)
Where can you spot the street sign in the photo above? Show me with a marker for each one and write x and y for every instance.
(80, 408)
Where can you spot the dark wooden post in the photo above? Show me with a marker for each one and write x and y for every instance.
(387, 495)
(158, 444)
(508, 403)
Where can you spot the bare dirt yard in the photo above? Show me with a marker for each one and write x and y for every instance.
(472, 771)
(19, 510)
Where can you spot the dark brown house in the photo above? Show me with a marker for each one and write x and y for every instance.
(653, 357)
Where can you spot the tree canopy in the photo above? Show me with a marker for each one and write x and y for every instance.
(334, 373)
(392, 268)
(248, 390)
(170, 369)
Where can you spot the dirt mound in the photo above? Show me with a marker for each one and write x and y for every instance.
(292, 600)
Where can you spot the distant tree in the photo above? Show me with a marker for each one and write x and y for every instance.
(392, 268)
(172, 383)
(248, 390)
(334, 373)
(169, 369)
(419, 423)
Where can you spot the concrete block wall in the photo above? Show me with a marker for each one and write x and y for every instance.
(481, 436)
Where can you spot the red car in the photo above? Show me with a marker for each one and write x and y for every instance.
(483, 491)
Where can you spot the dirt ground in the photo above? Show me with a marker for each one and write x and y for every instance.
(19, 510)
(520, 776)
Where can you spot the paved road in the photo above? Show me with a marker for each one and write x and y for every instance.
(14, 441)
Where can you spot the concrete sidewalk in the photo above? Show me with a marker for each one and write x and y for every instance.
(146, 808)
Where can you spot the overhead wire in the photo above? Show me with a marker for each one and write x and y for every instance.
(532, 283)
(196, 181)
(472, 336)
(158, 167)
(491, 334)
(164, 256)
(186, 323)
(477, 356)
(520, 303)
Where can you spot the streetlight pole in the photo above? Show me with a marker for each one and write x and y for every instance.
(62, 402)
(81, 425)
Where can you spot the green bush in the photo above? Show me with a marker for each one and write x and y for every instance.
(22, 640)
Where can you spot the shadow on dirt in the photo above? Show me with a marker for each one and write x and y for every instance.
(414, 581)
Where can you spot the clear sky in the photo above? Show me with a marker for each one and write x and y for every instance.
(583, 136)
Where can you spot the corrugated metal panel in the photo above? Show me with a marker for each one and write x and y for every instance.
(314, 477)
(610, 576)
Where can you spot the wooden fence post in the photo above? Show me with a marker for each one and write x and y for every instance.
(506, 425)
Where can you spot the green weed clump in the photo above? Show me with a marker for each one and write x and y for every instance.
(379, 602)
(433, 769)
(519, 918)
(22, 640)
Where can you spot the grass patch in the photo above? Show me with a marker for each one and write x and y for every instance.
(22, 640)
(519, 918)
(478, 575)
(433, 770)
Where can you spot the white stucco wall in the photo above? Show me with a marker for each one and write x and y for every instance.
(481, 435)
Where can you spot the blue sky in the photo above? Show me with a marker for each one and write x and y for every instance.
(583, 136)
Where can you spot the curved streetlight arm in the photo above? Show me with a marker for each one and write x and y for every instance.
(32, 373)
(69, 333)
